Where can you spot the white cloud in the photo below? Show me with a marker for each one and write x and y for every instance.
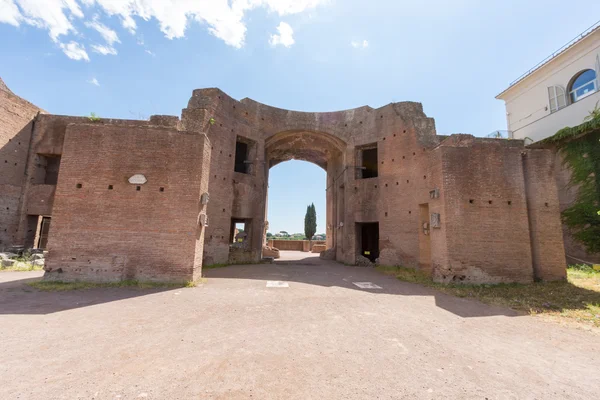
(52, 15)
(75, 51)
(9, 13)
(94, 82)
(360, 45)
(104, 50)
(151, 53)
(223, 18)
(108, 34)
(285, 36)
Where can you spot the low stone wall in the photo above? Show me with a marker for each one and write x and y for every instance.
(294, 245)
(270, 252)
(318, 248)
(283, 245)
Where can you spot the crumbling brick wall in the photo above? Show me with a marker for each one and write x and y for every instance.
(16, 123)
(459, 208)
(411, 165)
(487, 229)
(547, 245)
(106, 228)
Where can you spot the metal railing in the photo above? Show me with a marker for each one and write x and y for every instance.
(557, 52)
(500, 134)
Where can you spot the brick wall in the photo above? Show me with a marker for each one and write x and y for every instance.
(16, 117)
(106, 229)
(487, 230)
(486, 240)
(548, 252)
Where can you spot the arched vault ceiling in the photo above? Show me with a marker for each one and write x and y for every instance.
(315, 147)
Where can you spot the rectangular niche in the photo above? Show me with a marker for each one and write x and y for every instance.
(366, 161)
(245, 152)
(435, 220)
(47, 169)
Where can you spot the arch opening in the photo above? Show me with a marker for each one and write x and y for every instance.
(322, 149)
(294, 186)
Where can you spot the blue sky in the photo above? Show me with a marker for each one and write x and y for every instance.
(132, 59)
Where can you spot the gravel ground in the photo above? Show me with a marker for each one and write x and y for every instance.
(322, 337)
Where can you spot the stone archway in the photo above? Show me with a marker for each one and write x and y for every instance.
(384, 166)
(320, 148)
(460, 208)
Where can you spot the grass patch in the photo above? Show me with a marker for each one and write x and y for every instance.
(59, 286)
(22, 266)
(577, 299)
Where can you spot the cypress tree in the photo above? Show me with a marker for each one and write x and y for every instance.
(310, 222)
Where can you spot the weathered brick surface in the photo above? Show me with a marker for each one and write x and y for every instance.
(548, 252)
(99, 233)
(476, 242)
(16, 117)
(487, 229)
(125, 233)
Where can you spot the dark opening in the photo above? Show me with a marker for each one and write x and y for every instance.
(368, 239)
(369, 163)
(52, 166)
(241, 156)
(43, 234)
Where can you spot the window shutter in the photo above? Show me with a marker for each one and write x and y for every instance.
(561, 97)
(552, 98)
(557, 97)
(597, 71)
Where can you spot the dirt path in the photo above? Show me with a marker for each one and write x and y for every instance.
(320, 338)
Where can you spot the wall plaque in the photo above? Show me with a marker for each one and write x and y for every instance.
(138, 179)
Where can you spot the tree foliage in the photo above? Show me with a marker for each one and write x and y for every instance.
(310, 222)
(580, 148)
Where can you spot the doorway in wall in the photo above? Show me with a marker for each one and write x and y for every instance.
(367, 238)
(293, 186)
(424, 238)
(43, 233)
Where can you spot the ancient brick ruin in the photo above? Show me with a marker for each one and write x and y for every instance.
(157, 199)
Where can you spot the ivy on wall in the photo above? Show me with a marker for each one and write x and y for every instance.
(580, 148)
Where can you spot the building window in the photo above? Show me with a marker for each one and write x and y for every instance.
(240, 231)
(241, 156)
(558, 98)
(367, 162)
(46, 172)
(583, 85)
(245, 151)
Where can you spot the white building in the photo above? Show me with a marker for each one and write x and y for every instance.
(558, 92)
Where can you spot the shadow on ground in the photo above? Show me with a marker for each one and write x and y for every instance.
(314, 271)
(17, 297)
